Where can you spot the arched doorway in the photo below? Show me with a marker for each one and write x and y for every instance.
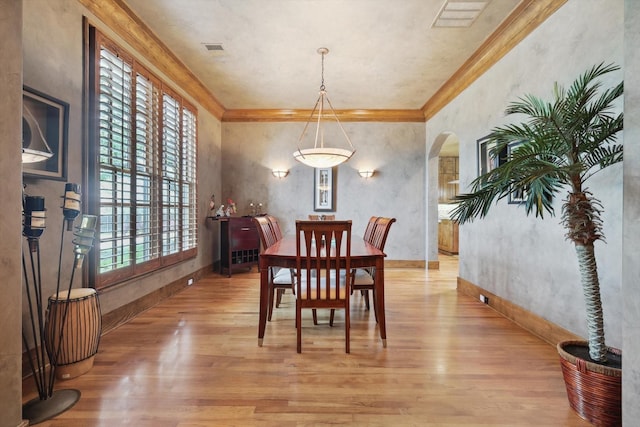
(442, 186)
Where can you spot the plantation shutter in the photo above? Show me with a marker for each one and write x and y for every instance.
(144, 168)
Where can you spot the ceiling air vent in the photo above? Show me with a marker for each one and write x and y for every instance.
(459, 13)
(213, 47)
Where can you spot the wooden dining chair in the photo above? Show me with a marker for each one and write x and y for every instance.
(363, 279)
(367, 237)
(275, 227)
(320, 280)
(277, 234)
(368, 231)
(322, 217)
(280, 279)
(265, 231)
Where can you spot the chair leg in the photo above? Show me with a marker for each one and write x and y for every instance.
(271, 297)
(365, 294)
(347, 328)
(315, 317)
(299, 327)
(279, 298)
(333, 311)
(375, 305)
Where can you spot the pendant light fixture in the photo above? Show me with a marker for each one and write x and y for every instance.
(320, 156)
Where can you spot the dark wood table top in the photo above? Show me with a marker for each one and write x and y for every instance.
(286, 249)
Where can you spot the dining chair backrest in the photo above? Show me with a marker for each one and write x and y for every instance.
(280, 279)
(265, 231)
(368, 231)
(363, 279)
(275, 227)
(322, 217)
(381, 231)
(323, 270)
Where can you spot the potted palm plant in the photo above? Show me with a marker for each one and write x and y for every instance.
(555, 150)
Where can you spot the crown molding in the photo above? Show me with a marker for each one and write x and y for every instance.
(288, 115)
(525, 18)
(119, 18)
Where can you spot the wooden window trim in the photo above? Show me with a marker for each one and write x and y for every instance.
(97, 40)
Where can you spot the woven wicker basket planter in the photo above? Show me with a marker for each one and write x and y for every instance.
(594, 391)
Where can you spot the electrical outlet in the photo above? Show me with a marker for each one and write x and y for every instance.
(484, 299)
(189, 282)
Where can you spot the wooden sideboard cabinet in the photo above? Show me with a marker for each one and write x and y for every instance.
(239, 243)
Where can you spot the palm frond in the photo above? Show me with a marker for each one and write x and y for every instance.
(560, 145)
(601, 157)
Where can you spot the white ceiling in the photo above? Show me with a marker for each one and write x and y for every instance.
(384, 54)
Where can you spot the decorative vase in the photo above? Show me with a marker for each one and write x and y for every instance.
(594, 390)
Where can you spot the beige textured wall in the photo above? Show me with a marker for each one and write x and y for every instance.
(11, 218)
(524, 259)
(395, 150)
(631, 225)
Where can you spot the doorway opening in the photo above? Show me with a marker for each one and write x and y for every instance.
(442, 187)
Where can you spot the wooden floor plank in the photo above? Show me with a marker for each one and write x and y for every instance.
(193, 361)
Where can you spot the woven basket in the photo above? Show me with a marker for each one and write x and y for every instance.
(594, 391)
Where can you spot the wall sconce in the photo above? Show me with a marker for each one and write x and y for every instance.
(366, 174)
(279, 173)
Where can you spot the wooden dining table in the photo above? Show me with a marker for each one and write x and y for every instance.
(283, 254)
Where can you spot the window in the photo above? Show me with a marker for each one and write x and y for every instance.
(143, 167)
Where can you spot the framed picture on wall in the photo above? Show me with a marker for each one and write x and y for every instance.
(324, 190)
(44, 133)
(487, 159)
(516, 196)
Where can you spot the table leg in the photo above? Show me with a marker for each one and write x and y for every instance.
(379, 300)
(264, 299)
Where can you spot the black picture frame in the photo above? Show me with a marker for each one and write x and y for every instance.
(45, 118)
(515, 197)
(487, 162)
(324, 189)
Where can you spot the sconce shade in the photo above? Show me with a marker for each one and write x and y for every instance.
(366, 174)
(280, 173)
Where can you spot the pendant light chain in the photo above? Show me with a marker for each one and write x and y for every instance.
(322, 74)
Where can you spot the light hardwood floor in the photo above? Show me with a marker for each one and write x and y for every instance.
(193, 361)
